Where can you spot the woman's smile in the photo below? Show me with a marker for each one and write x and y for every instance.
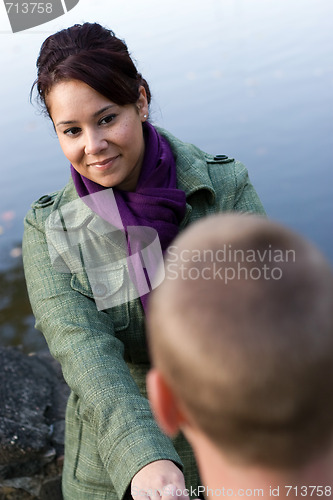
(104, 164)
(101, 139)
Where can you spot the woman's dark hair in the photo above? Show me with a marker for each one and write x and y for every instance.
(94, 55)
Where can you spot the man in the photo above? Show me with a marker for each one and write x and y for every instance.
(241, 337)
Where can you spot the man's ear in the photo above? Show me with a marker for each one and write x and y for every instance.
(164, 403)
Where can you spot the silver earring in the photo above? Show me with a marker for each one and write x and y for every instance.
(145, 116)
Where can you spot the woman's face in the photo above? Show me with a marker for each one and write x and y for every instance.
(102, 140)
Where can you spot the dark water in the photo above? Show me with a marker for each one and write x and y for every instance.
(250, 79)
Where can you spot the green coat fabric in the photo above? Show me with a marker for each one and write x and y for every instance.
(110, 431)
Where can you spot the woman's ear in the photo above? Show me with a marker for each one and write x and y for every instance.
(142, 104)
(163, 403)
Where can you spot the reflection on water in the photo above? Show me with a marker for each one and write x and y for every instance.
(16, 319)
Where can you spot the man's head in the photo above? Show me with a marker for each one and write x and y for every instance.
(241, 336)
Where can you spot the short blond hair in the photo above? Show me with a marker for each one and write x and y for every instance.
(251, 358)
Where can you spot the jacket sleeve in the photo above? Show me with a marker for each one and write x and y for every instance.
(82, 339)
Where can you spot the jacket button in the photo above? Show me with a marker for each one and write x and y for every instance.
(99, 290)
(220, 157)
(44, 199)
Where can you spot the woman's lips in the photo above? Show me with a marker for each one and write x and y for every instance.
(103, 165)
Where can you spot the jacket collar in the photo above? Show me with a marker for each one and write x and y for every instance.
(191, 164)
(72, 212)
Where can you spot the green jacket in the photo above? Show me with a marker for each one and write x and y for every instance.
(110, 431)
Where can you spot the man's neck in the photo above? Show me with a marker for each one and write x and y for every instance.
(222, 478)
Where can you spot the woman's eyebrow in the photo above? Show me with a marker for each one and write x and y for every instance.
(103, 109)
(99, 112)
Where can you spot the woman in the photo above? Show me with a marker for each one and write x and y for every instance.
(83, 249)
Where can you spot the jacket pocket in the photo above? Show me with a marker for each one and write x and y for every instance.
(108, 288)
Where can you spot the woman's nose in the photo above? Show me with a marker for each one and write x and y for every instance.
(95, 142)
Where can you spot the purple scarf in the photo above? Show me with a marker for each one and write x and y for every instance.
(156, 202)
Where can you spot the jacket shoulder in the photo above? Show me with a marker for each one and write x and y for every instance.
(224, 166)
(45, 201)
(222, 170)
(218, 159)
(188, 155)
(44, 206)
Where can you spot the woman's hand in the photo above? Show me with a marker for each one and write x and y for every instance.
(159, 480)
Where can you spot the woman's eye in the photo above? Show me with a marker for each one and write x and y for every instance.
(72, 131)
(107, 119)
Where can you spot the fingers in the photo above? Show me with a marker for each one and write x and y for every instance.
(159, 480)
(145, 494)
(168, 492)
(140, 496)
(172, 492)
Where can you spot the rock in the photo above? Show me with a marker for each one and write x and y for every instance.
(51, 489)
(25, 392)
(33, 397)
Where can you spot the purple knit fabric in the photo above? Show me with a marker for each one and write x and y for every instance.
(156, 202)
